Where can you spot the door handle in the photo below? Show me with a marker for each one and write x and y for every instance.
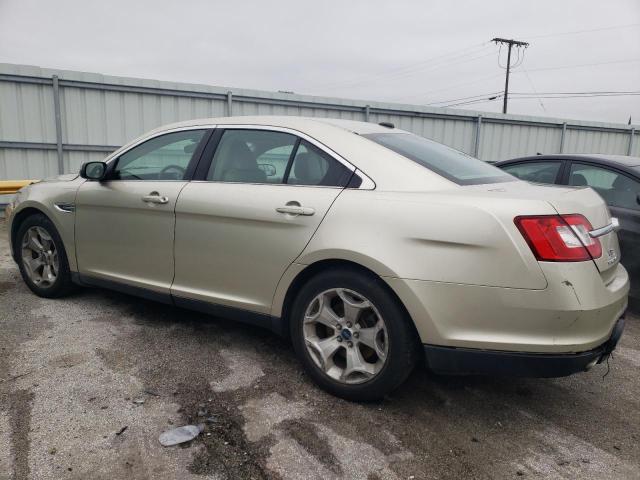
(294, 208)
(154, 197)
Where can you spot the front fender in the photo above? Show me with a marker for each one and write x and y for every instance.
(42, 197)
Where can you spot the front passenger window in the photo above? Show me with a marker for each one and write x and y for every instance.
(165, 157)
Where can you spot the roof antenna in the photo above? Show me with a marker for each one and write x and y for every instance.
(387, 124)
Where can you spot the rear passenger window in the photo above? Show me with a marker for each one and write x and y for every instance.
(537, 172)
(252, 156)
(312, 166)
(264, 156)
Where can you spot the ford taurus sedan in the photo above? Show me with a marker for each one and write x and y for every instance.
(370, 247)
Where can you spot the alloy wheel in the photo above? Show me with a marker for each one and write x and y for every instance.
(40, 257)
(345, 335)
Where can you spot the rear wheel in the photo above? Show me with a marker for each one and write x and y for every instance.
(42, 259)
(351, 335)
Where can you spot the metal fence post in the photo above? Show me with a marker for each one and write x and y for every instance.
(476, 147)
(367, 112)
(56, 109)
(630, 149)
(229, 103)
(562, 135)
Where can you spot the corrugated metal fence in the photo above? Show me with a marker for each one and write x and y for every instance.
(52, 120)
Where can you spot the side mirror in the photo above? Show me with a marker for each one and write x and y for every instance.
(93, 170)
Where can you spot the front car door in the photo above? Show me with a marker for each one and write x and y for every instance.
(621, 192)
(125, 224)
(251, 214)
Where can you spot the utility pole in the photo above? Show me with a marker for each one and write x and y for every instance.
(510, 44)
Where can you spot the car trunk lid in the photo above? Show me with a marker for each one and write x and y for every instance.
(566, 201)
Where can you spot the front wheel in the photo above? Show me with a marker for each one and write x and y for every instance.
(352, 336)
(42, 258)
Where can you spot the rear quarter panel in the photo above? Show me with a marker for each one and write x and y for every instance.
(438, 236)
(464, 272)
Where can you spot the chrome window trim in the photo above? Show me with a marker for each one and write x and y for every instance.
(125, 148)
(268, 184)
(367, 182)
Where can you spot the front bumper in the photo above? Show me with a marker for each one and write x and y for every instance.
(469, 361)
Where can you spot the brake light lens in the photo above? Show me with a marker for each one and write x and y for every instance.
(581, 227)
(559, 238)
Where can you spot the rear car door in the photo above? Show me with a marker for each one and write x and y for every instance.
(125, 224)
(250, 213)
(621, 193)
(543, 171)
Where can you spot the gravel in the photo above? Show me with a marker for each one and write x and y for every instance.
(89, 382)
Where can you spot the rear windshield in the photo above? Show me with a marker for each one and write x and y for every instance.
(451, 164)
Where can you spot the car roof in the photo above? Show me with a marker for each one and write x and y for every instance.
(606, 159)
(294, 122)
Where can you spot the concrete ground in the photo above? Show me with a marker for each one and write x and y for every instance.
(88, 383)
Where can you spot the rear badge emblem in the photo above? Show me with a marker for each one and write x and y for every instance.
(612, 257)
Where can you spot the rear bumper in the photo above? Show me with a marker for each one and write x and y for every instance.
(575, 313)
(469, 361)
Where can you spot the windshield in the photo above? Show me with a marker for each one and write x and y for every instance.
(451, 164)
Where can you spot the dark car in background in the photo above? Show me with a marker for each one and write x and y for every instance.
(615, 177)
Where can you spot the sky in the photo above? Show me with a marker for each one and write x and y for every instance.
(435, 52)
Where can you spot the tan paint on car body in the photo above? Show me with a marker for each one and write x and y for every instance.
(120, 237)
(256, 243)
(451, 253)
(43, 197)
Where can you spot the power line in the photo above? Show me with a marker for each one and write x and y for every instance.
(534, 94)
(533, 87)
(473, 102)
(457, 56)
(575, 32)
(439, 60)
(482, 95)
(397, 75)
(489, 77)
(584, 65)
(617, 92)
(446, 63)
(523, 96)
(455, 85)
(630, 94)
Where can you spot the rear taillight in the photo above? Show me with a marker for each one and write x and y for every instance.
(581, 227)
(559, 238)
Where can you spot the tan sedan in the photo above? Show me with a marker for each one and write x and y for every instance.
(368, 246)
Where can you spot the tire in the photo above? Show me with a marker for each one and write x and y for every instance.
(48, 286)
(396, 345)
